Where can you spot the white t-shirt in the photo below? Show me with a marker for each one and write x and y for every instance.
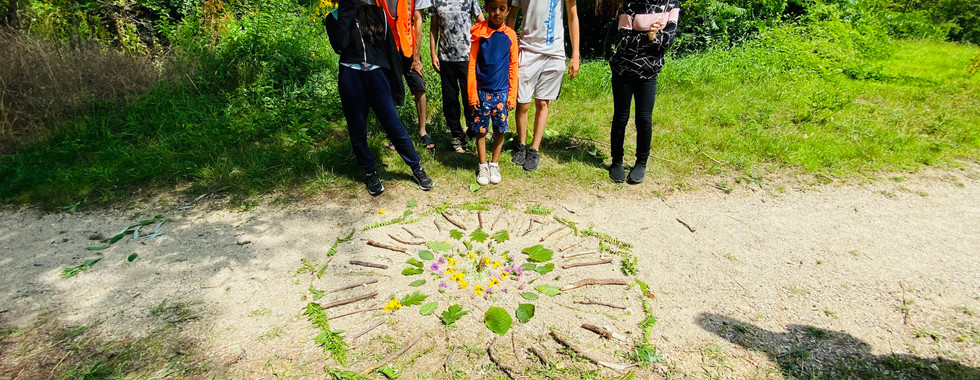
(543, 30)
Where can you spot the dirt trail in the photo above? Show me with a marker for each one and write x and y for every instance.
(768, 280)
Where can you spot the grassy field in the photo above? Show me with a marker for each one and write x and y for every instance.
(757, 113)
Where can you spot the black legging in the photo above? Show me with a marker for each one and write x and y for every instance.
(645, 91)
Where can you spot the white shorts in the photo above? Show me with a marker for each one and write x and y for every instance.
(539, 76)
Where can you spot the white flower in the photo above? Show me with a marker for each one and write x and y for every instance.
(629, 311)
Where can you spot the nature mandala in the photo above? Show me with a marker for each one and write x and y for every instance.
(466, 275)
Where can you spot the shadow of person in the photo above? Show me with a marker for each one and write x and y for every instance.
(810, 352)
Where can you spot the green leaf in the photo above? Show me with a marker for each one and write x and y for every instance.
(451, 315)
(548, 290)
(469, 246)
(415, 298)
(538, 253)
(529, 267)
(426, 255)
(97, 248)
(411, 203)
(501, 236)
(411, 271)
(417, 283)
(407, 213)
(475, 187)
(455, 234)
(542, 269)
(498, 320)
(317, 294)
(131, 258)
(428, 308)
(147, 222)
(524, 312)
(479, 236)
(117, 238)
(415, 262)
(438, 246)
(529, 296)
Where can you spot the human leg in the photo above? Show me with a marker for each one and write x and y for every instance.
(622, 97)
(453, 80)
(353, 101)
(646, 93)
(379, 99)
(521, 149)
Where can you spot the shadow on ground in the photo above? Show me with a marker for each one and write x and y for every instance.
(809, 352)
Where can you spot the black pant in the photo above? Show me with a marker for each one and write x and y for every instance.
(363, 90)
(454, 81)
(645, 91)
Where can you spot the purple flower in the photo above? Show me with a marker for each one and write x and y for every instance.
(443, 286)
(442, 260)
(435, 267)
(520, 271)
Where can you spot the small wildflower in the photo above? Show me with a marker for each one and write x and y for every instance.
(463, 285)
(452, 261)
(629, 311)
(472, 255)
(434, 267)
(505, 256)
(504, 275)
(393, 305)
(485, 261)
(521, 287)
(496, 264)
(442, 260)
(450, 271)
(381, 211)
(560, 365)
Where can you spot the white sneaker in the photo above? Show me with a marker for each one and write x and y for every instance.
(494, 172)
(483, 174)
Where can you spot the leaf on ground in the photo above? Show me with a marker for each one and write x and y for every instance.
(475, 187)
(415, 298)
(452, 314)
(548, 290)
(538, 253)
(479, 235)
(411, 271)
(501, 236)
(417, 283)
(542, 269)
(428, 308)
(131, 258)
(456, 234)
(415, 262)
(529, 296)
(426, 255)
(524, 312)
(438, 246)
(117, 238)
(498, 320)
(411, 203)
(97, 248)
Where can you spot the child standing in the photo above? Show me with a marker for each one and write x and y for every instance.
(449, 46)
(492, 86)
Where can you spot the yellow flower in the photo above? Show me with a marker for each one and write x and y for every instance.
(505, 256)
(494, 281)
(504, 275)
(472, 255)
(451, 261)
(382, 211)
(496, 264)
(450, 271)
(485, 261)
(393, 305)
(478, 292)
(463, 285)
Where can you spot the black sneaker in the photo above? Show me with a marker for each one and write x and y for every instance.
(616, 172)
(531, 159)
(425, 183)
(519, 155)
(374, 186)
(459, 145)
(636, 174)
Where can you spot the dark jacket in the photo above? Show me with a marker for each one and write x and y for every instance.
(353, 48)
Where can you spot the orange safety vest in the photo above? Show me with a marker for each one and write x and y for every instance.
(403, 24)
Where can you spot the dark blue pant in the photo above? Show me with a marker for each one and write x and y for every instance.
(453, 79)
(360, 90)
(645, 92)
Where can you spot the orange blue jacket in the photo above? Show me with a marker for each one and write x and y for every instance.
(493, 62)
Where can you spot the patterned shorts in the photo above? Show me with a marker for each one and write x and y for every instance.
(493, 106)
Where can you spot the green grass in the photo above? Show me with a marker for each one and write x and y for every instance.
(753, 112)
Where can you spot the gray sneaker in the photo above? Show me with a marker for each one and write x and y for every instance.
(531, 159)
(519, 155)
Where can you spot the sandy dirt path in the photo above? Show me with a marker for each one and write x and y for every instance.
(889, 268)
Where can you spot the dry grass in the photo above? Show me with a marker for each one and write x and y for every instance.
(43, 81)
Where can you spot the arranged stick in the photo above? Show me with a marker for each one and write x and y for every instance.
(530, 224)
(385, 246)
(591, 302)
(587, 355)
(573, 265)
(573, 245)
(357, 312)
(392, 356)
(541, 353)
(410, 232)
(689, 228)
(537, 221)
(454, 222)
(494, 224)
(350, 300)
(594, 281)
(352, 286)
(393, 237)
(604, 333)
(381, 322)
(446, 365)
(571, 255)
(547, 235)
(437, 225)
(508, 370)
(367, 264)
(479, 216)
